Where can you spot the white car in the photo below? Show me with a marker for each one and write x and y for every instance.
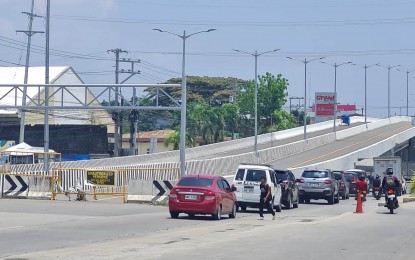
(247, 181)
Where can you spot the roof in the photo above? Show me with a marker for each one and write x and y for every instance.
(24, 148)
(161, 135)
(204, 176)
(15, 75)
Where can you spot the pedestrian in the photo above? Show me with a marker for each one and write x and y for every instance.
(265, 199)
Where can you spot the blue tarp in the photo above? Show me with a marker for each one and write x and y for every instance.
(346, 119)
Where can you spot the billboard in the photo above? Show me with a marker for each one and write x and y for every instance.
(324, 106)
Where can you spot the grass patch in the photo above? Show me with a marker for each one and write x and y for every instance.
(412, 187)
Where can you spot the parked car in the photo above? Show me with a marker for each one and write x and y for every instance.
(289, 188)
(352, 176)
(343, 184)
(318, 184)
(202, 194)
(247, 181)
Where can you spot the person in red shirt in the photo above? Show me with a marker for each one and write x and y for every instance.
(361, 186)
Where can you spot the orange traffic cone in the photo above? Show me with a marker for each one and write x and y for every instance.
(359, 206)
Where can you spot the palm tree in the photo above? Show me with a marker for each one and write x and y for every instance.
(174, 139)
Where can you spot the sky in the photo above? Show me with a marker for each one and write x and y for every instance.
(358, 31)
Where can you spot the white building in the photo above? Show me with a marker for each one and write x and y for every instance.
(35, 95)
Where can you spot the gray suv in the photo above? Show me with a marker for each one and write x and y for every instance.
(318, 184)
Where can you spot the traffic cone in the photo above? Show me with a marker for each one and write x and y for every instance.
(359, 206)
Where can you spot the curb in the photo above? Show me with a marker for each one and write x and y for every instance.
(408, 199)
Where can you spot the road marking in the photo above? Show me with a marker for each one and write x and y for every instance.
(345, 147)
(10, 228)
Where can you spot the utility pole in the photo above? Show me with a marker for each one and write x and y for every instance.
(29, 34)
(46, 119)
(297, 98)
(116, 114)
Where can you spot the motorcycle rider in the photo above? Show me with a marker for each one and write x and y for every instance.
(377, 183)
(361, 186)
(390, 182)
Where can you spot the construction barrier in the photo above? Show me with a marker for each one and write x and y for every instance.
(24, 186)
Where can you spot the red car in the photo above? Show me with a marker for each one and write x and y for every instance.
(202, 194)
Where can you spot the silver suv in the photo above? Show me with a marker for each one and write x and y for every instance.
(318, 184)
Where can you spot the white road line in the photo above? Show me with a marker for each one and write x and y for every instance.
(10, 228)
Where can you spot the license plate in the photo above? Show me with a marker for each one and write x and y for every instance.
(248, 190)
(190, 197)
(313, 184)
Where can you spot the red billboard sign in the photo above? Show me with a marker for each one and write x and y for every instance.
(324, 109)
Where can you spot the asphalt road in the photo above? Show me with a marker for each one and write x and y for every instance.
(274, 143)
(111, 230)
(341, 147)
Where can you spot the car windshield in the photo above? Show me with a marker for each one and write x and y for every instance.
(315, 174)
(338, 176)
(350, 176)
(282, 175)
(195, 182)
(255, 175)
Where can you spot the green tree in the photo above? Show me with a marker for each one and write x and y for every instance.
(284, 120)
(174, 139)
(272, 94)
(231, 117)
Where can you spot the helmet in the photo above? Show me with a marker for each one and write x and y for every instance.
(377, 176)
(389, 171)
(361, 177)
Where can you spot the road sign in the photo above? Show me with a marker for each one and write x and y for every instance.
(324, 106)
(101, 177)
(15, 186)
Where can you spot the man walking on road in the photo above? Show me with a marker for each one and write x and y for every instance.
(265, 199)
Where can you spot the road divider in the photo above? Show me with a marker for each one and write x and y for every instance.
(145, 191)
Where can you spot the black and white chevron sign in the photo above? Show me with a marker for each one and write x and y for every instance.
(15, 186)
(162, 187)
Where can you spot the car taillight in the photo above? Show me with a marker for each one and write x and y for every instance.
(327, 182)
(209, 197)
(377, 189)
(342, 184)
(390, 191)
(284, 182)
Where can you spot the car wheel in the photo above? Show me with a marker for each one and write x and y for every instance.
(191, 215)
(337, 199)
(277, 208)
(243, 208)
(348, 196)
(301, 200)
(289, 203)
(174, 214)
(295, 205)
(218, 213)
(233, 214)
(344, 196)
(331, 200)
(307, 201)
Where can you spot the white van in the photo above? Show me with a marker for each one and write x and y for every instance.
(247, 180)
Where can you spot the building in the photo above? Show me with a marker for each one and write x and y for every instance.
(149, 142)
(70, 96)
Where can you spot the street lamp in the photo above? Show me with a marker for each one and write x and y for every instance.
(305, 61)
(184, 98)
(389, 85)
(256, 55)
(335, 65)
(366, 67)
(407, 89)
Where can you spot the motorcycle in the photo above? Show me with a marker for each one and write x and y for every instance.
(377, 194)
(391, 201)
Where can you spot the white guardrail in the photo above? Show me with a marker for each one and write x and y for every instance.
(347, 161)
(225, 165)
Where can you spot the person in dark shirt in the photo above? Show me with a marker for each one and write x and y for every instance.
(265, 199)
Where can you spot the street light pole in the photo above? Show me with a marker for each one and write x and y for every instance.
(183, 99)
(256, 55)
(389, 85)
(365, 67)
(305, 62)
(335, 65)
(407, 89)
